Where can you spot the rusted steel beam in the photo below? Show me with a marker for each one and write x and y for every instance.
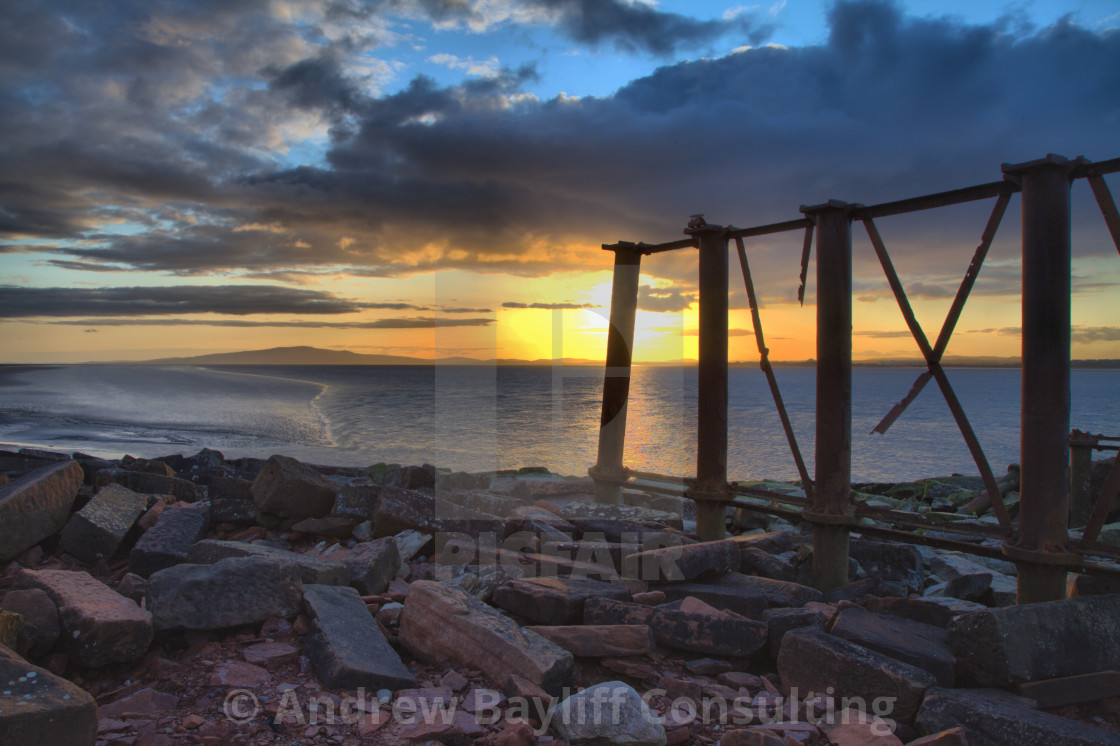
(651, 248)
(764, 363)
(1084, 168)
(831, 508)
(941, 199)
(1041, 550)
(710, 490)
(616, 376)
(765, 230)
(938, 374)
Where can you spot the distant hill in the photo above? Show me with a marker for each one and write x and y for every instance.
(305, 355)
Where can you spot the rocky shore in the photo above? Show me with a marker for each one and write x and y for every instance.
(194, 599)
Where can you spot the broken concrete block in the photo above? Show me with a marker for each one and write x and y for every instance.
(722, 635)
(169, 541)
(777, 592)
(98, 625)
(554, 601)
(781, 621)
(530, 519)
(288, 488)
(684, 562)
(400, 509)
(312, 570)
(346, 645)
(1069, 690)
(600, 641)
(921, 645)
(891, 561)
(935, 610)
(36, 506)
(813, 661)
(445, 625)
(740, 599)
(148, 484)
(373, 565)
(99, 528)
(1003, 647)
(37, 707)
(991, 722)
(239, 590)
(765, 565)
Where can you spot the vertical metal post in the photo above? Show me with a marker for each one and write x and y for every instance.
(1041, 549)
(607, 471)
(830, 510)
(1080, 477)
(710, 490)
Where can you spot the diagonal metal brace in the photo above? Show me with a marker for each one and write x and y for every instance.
(935, 369)
(1107, 205)
(954, 314)
(764, 363)
(806, 250)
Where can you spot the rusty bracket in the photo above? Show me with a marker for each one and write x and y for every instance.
(708, 496)
(1109, 491)
(1045, 556)
(831, 519)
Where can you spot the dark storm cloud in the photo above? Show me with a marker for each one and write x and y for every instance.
(174, 110)
(640, 27)
(238, 300)
(406, 323)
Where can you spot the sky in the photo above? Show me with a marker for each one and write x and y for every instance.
(436, 177)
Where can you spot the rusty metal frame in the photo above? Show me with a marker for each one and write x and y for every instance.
(1041, 546)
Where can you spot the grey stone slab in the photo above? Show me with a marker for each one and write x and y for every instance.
(99, 528)
(312, 570)
(235, 591)
(346, 645)
(169, 541)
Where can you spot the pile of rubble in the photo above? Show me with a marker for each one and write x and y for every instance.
(199, 600)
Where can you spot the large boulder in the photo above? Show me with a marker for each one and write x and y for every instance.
(235, 591)
(447, 626)
(99, 528)
(991, 721)
(36, 506)
(40, 618)
(37, 707)
(608, 713)
(815, 661)
(99, 625)
(1003, 647)
(288, 488)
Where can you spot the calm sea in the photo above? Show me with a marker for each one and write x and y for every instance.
(481, 418)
